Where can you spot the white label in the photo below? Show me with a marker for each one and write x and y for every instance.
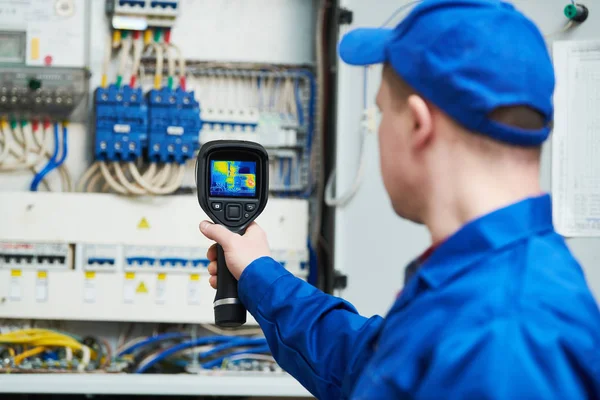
(161, 289)
(194, 289)
(41, 287)
(175, 130)
(128, 290)
(15, 285)
(121, 128)
(89, 287)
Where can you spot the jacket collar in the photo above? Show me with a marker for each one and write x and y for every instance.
(478, 238)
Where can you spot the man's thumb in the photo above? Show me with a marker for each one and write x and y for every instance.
(218, 233)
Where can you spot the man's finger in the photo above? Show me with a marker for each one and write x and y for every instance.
(253, 227)
(212, 268)
(211, 254)
(218, 233)
(213, 281)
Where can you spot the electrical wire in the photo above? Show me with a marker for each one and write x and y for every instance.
(47, 338)
(151, 340)
(398, 11)
(25, 143)
(112, 183)
(570, 24)
(5, 141)
(344, 199)
(29, 353)
(91, 171)
(176, 182)
(219, 361)
(51, 163)
(132, 189)
(125, 50)
(106, 61)
(238, 332)
(146, 364)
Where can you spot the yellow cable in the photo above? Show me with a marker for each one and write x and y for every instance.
(24, 337)
(28, 353)
(116, 37)
(104, 82)
(147, 36)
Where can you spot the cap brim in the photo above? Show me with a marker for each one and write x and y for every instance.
(364, 46)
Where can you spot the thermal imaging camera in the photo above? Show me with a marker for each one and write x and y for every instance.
(233, 187)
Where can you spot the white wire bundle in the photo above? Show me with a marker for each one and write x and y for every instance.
(156, 180)
(22, 148)
(125, 178)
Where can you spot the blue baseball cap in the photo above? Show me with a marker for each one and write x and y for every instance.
(469, 58)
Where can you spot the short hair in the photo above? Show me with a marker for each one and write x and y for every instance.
(518, 116)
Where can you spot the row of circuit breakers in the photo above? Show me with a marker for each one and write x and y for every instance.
(162, 125)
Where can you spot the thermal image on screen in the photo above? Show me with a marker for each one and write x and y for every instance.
(233, 178)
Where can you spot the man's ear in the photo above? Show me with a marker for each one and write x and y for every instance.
(422, 131)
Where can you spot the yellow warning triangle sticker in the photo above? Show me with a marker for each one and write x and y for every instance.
(143, 224)
(141, 288)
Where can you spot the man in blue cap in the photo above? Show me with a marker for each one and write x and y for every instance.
(498, 308)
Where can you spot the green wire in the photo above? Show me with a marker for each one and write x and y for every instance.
(13, 123)
(157, 33)
(124, 34)
(119, 80)
(170, 82)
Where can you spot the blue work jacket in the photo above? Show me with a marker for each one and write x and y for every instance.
(500, 310)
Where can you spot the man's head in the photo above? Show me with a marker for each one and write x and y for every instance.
(455, 100)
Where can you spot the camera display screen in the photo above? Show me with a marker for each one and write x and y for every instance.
(232, 178)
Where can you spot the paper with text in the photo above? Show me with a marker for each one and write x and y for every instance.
(576, 138)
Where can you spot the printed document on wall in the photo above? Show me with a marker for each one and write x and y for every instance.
(576, 138)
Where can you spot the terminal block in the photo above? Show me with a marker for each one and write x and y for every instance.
(234, 125)
(174, 120)
(142, 14)
(121, 123)
(41, 93)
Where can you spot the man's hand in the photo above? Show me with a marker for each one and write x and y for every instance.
(240, 251)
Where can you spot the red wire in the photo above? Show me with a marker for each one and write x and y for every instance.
(132, 81)
(35, 124)
(46, 123)
(136, 35)
(168, 36)
(182, 83)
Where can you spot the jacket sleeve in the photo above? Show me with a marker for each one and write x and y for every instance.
(319, 339)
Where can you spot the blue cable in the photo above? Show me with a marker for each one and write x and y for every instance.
(228, 342)
(39, 177)
(65, 147)
(239, 342)
(218, 361)
(151, 340)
